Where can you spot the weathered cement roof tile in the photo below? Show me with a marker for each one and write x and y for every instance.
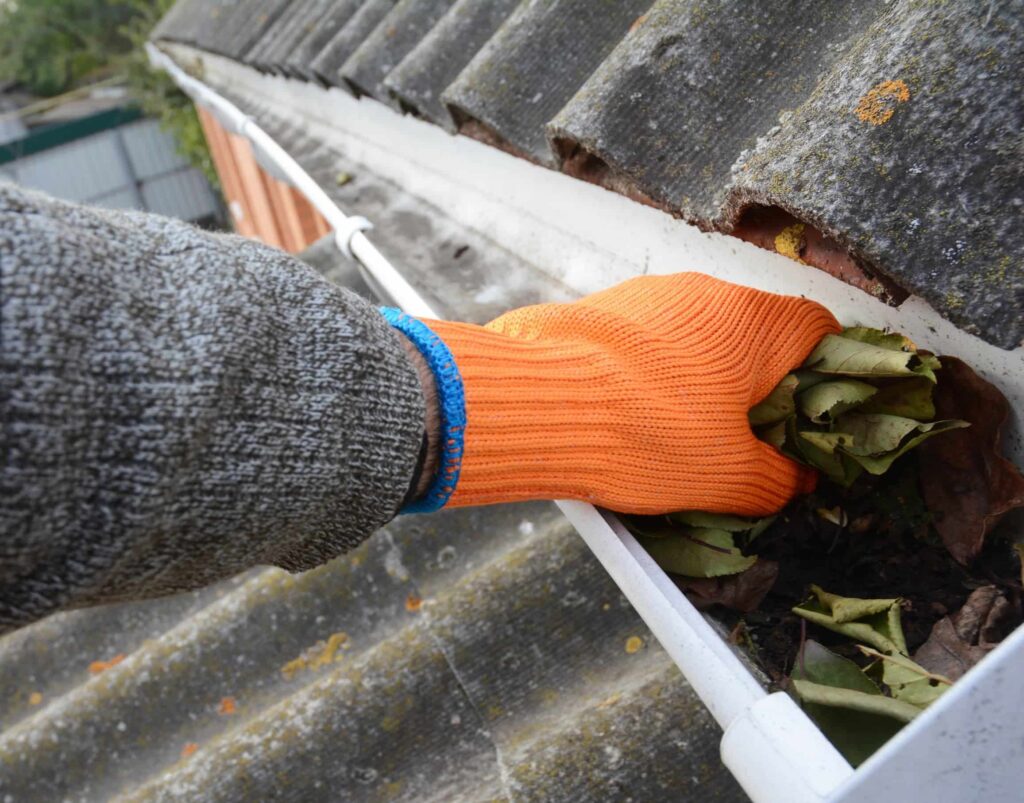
(534, 64)
(346, 39)
(443, 53)
(278, 40)
(910, 152)
(890, 127)
(333, 19)
(396, 34)
(694, 85)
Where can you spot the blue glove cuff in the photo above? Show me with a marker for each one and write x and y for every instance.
(451, 400)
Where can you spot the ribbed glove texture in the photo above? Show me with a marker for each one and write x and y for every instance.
(634, 398)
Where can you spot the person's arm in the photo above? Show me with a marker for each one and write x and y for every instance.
(179, 406)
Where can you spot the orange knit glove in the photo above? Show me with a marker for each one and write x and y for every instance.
(634, 398)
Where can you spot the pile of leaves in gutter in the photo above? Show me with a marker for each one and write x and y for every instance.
(868, 598)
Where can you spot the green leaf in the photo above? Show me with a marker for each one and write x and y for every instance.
(855, 701)
(909, 681)
(874, 622)
(845, 357)
(876, 337)
(698, 553)
(910, 398)
(820, 665)
(774, 435)
(714, 521)
(778, 406)
(808, 379)
(828, 400)
(855, 733)
(827, 442)
(760, 527)
(878, 440)
(849, 609)
(875, 434)
(818, 449)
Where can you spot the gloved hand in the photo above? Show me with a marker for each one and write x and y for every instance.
(634, 398)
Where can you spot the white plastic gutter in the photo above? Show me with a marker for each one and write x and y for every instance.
(775, 752)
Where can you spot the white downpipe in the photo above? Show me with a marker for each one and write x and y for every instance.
(775, 752)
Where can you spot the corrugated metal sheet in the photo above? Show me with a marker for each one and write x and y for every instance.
(135, 166)
(11, 126)
(473, 655)
(893, 126)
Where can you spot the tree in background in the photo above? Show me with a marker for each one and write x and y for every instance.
(53, 46)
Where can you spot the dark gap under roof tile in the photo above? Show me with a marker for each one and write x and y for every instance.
(347, 39)
(299, 61)
(398, 33)
(442, 54)
(534, 64)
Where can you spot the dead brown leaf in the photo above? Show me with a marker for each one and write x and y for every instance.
(959, 641)
(965, 480)
(740, 592)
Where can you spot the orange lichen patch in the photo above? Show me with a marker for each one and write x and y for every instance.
(189, 749)
(633, 644)
(319, 655)
(227, 706)
(102, 666)
(879, 103)
(413, 603)
(638, 22)
(35, 698)
(790, 241)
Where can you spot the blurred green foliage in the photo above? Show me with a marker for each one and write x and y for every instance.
(53, 46)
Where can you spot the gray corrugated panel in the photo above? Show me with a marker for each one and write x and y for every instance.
(436, 61)
(534, 64)
(333, 19)
(398, 33)
(151, 150)
(252, 20)
(284, 29)
(303, 18)
(347, 38)
(473, 655)
(11, 126)
(78, 171)
(183, 194)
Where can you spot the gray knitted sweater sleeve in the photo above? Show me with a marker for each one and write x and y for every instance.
(179, 406)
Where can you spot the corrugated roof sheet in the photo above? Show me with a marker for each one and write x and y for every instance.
(395, 35)
(473, 655)
(891, 125)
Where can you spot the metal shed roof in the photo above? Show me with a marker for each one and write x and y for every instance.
(893, 126)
